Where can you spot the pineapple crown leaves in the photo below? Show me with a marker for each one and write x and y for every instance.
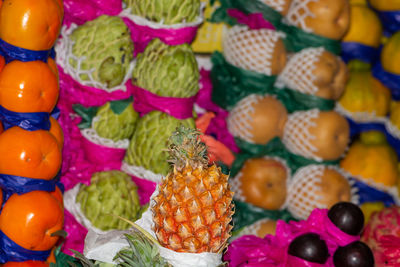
(186, 148)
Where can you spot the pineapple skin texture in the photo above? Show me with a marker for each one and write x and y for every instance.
(168, 71)
(193, 210)
(166, 11)
(148, 145)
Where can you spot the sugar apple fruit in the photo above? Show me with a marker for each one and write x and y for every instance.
(148, 145)
(106, 48)
(169, 71)
(116, 126)
(165, 11)
(110, 192)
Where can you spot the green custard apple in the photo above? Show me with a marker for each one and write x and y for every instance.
(165, 11)
(169, 71)
(116, 125)
(109, 193)
(107, 48)
(148, 145)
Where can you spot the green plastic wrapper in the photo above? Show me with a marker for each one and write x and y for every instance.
(247, 214)
(231, 84)
(296, 39)
(274, 148)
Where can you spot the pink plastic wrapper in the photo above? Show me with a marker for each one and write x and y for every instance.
(254, 21)
(78, 11)
(142, 35)
(218, 126)
(88, 96)
(145, 102)
(102, 155)
(249, 251)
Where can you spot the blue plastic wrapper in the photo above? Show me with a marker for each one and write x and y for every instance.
(27, 121)
(367, 193)
(11, 52)
(390, 21)
(390, 80)
(351, 51)
(357, 128)
(11, 251)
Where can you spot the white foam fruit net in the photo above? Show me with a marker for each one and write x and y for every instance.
(239, 118)
(141, 172)
(93, 137)
(303, 190)
(236, 182)
(298, 73)
(63, 49)
(298, 12)
(296, 135)
(250, 49)
(278, 5)
(253, 228)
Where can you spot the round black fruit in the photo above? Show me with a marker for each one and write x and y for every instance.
(356, 254)
(348, 217)
(309, 247)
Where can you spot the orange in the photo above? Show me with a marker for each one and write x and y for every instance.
(28, 87)
(31, 24)
(26, 264)
(30, 220)
(53, 66)
(390, 55)
(52, 257)
(56, 131)
(57, 194)
(2, 62)
(33, 154)
(1, 127)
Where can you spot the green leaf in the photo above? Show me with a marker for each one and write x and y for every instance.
(87, 115)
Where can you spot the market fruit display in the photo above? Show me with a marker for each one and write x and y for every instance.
(391, 54)
(257, 119)
(262, 182)
(261, 50)
(30, 26)
(356, 254)
(317, 134)
(166, 12)
(104, 49)
(327, 18)
(109, 193)
(364, 93)
(309, 247)
(381, 234)
(280, 6)
(365, 26)
(316, 186)
(28, 87)
(149, 141)
(165, 70)
(33, 154)
(348, 217)
(315, 71)
(196, 195)
(115, 126)
(35, 216)
(26, 264)
(372, 159)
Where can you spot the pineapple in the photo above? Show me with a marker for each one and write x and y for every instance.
(193, 208)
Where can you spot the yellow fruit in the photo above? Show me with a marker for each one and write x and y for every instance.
(395, 113)
(193, 208)
(385, 5)
(263, 183)
(370, 207)
(365, 26)
(327, 18)
(390, 56)
(371, 157)
(260, 228)
(364, 93)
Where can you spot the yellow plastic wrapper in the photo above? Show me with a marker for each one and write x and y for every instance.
(209, 35)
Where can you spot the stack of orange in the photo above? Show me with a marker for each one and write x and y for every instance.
(31, 220)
